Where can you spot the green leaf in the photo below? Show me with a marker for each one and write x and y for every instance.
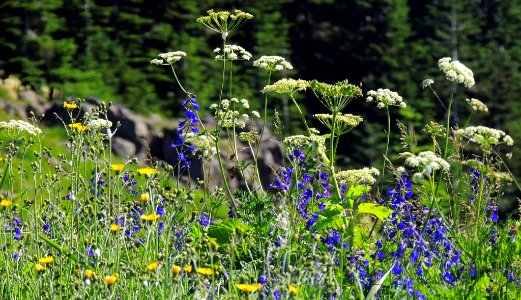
(376, 287)
(381, 212)
(222, 230)
(60, 248)
(356, 192)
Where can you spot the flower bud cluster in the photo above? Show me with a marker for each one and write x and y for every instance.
(477, 105)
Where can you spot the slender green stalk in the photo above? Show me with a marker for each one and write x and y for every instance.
(386, 145)
(177, 79)
(301, 114)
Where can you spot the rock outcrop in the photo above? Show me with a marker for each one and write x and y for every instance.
(142, 137)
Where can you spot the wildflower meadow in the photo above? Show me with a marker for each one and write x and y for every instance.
(86, 224)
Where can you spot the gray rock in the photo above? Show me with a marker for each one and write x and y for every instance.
(122, 147)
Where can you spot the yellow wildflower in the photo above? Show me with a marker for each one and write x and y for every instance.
(110, 280)
(46, 260)
(117, 167)
(89, 273)
(150, 218)
(249, 288)
(205, 271)
(38, 268)
(6, 203)
(152, 266)
(115, 227)
(69, 105)
(188, 269)
(78, 126)
(145, 197)
(293, 289)
(146, 171)
(176, 269)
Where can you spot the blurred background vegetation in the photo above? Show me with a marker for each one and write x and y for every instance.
(83, 48)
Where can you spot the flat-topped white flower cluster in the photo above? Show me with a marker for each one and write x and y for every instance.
(272, 63)
(485, 136)
(20, 126)
(456, 72)
(98, 124)
(357, 176)
(168, 58)
(426, 162)
(232, 52)
(286, 86)
(385, 97)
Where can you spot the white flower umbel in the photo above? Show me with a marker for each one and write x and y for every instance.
(168, 58)
(18, 126)
(286, 86)
(426, 162)
(456, 72)
(357, 176)
(204, 144)
(272, 63)
(385, 97)
(485, 136)
(232, 52)
(477, 105)
(98, 124)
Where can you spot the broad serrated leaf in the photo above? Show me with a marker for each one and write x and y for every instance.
(381, 212)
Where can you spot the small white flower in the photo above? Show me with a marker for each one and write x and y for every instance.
(97, 252)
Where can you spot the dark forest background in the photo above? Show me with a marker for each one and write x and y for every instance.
(103, 49)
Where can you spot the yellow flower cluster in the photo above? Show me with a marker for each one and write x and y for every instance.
(249, 288)
(69, 105)
(78, 126)
(6, 203)
(146, 171)
(150, 218)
